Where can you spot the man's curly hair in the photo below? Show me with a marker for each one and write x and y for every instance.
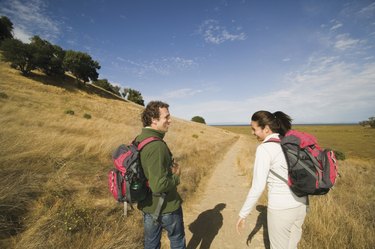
(151, 111)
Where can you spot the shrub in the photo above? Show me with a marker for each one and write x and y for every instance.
(70, 112)
(3, 95)
(339, 155)
(195, 136)
(198, 119)
(87, 116)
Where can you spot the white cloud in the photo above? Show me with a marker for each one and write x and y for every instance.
(182, 93)
(213, 33)
(344, 42)
(178, 94)
(327, 91)
(29, 18)
(161, 66)
(22, 35)
(120, 59)
(336, 25)
(368, 11)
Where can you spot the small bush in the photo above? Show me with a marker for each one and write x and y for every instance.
(339, 155)
(195, 136)
(198, 119)
(70, 112)
(3, 95)
(87, 116)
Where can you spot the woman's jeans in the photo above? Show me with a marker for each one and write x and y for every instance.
(172, 222)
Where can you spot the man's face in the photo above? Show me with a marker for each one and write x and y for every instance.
(162, 124)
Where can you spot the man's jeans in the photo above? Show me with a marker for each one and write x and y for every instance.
(172, 222)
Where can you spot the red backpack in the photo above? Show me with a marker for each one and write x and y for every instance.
(126, 181)
(311, 169)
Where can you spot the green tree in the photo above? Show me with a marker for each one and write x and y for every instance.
(133, 96)
(6, 28)
(198, 119)
(116, 90)
(364, 123)
(48, 58)
(19, 54)
(370, 122)
(81, 65)
(103, 83)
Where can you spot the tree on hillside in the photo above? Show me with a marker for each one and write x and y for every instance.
(6, 28)
(81, 65)
(103, 83)
(19, 54)
(133, 96)
(370, 122)
(48, 58)
(116, 90)
(198, 119)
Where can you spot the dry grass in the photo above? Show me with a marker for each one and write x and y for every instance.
(53, 166)
(345, 217)
(53, 188)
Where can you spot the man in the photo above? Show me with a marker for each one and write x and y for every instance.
(163, 176)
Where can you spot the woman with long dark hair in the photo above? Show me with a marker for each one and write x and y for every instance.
(285, 212)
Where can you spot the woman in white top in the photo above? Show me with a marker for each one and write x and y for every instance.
(285, 212)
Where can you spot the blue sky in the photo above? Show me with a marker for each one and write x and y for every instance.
(222, 60)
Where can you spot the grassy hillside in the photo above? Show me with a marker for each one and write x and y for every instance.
(53, 165)
(345, 217)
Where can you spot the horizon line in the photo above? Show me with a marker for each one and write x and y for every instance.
(245, 124)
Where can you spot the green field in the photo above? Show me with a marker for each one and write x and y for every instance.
(354, 141)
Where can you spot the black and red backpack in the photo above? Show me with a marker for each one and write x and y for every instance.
(127, 181)
(311, 169)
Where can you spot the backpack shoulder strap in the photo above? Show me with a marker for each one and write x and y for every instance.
(146, 141)
(279, 176)
(275, 140)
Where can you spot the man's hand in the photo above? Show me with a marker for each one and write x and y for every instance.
(176, 169)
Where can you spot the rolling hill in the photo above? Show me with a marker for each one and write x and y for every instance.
(56, 142)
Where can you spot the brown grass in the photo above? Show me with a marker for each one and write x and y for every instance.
(345, 217)
(53, 166)
(53, 188)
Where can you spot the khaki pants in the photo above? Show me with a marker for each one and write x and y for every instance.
(285, 227)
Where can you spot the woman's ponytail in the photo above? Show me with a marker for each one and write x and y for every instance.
(278, 121)
(284, 122)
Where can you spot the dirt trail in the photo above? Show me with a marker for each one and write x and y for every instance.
(210, 223)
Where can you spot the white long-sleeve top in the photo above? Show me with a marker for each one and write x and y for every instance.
(270, 156)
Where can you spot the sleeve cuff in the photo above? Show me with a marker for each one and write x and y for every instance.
(176, 179)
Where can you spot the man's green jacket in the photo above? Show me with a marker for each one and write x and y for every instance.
(156, 160)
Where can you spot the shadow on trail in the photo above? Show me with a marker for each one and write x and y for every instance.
(261, 222)
(206, 227)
